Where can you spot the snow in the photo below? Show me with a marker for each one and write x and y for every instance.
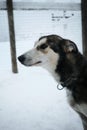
(30, 99)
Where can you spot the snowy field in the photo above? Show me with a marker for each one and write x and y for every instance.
(30, 100)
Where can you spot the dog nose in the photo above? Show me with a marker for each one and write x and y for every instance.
(21, 58)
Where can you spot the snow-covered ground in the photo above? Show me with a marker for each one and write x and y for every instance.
(30, 100)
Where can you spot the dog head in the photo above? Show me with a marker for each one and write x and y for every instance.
(48, 51)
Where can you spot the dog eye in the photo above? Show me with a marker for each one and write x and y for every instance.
(43, 46)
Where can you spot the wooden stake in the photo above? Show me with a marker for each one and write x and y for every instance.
(12, 36)
(84, 26)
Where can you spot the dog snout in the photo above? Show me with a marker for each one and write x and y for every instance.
(21, 58)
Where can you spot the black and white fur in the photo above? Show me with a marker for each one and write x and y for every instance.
(66, 64)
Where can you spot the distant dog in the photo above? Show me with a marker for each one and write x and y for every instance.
(67, 65)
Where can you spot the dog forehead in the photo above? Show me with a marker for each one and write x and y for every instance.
(39, 42)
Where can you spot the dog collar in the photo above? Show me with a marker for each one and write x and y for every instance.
(69, 81)
(60, 87)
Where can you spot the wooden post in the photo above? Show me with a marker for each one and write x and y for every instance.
(12, 35)
(84, 25)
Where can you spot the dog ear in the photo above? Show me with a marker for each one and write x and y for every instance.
(69, 46)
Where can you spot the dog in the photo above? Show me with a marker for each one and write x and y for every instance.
(67, 65)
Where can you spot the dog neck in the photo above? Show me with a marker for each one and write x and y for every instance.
(67, 72)
(69, 81)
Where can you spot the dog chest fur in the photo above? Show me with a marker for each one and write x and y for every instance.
(81, 108)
